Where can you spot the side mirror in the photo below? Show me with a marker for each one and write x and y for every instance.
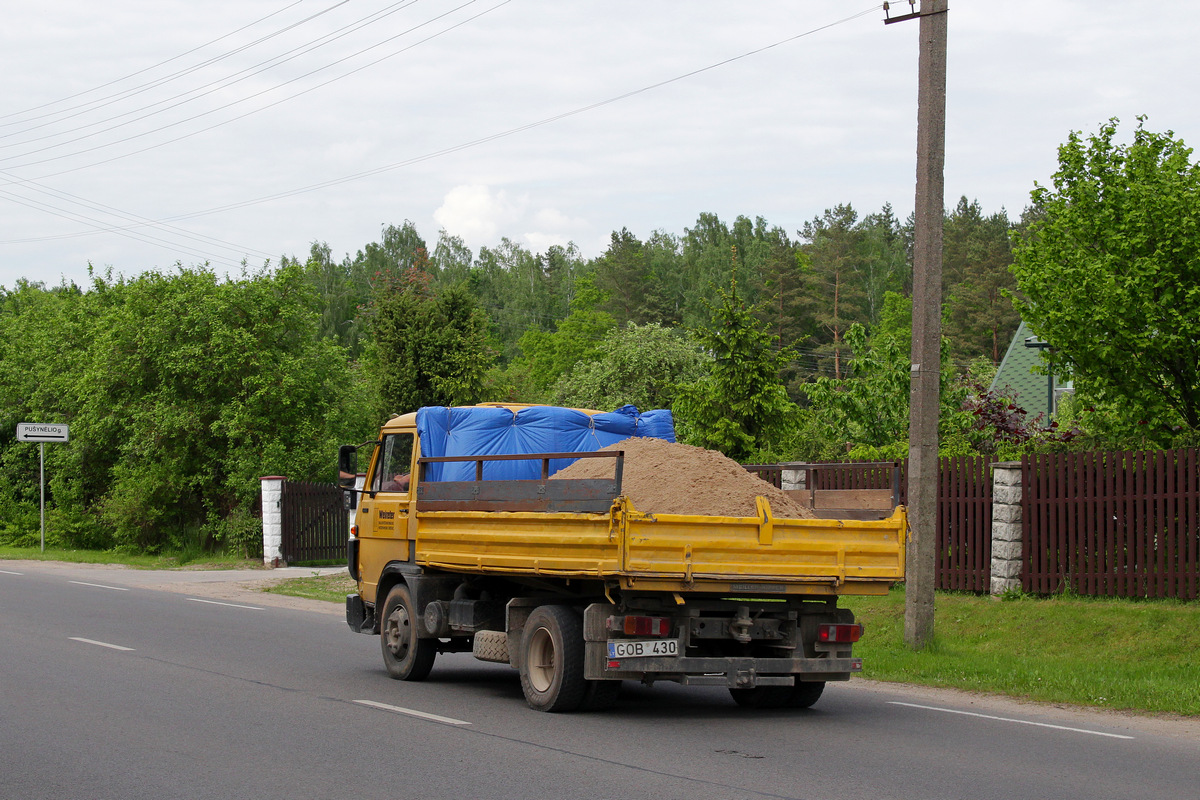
(347, 466)
(349, 500)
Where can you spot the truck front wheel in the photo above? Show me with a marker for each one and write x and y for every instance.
(552, 659)
(406, 657)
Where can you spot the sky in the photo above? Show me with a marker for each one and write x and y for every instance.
(138, 135)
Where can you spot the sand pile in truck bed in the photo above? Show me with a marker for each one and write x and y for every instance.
(664, 478)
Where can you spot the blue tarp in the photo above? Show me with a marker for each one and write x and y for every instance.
(448, 431)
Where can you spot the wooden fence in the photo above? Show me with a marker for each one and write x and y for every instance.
(1121, 524)
(964, 518)
(964, 524)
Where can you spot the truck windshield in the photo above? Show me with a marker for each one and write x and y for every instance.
(395, 463)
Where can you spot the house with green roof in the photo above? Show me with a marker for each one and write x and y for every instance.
(1017, 379)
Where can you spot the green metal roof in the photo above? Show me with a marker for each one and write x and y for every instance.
(1016, 379)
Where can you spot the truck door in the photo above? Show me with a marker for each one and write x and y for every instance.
(385, 509)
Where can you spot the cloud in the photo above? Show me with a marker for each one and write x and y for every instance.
(480, 215)
(554, 228)
(477, 215)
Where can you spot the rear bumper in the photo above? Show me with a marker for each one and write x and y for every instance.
(732, 672)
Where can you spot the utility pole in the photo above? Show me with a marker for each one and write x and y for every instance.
(921, 553)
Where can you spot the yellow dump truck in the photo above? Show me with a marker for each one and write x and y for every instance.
(569, 583)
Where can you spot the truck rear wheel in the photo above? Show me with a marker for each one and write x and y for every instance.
(600, 695)
(802, 695)
(552, 659)
(406, 657)
(805, 693)
(762, 696)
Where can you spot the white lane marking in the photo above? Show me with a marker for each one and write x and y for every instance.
(218, 603)
(1008, 719)
(101, 586)
(6, 572)
(412, 713)
(101, 644)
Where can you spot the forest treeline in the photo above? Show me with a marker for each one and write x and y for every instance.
(807, 287)
(183, 388)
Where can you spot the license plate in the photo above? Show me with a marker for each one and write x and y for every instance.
(642, 648)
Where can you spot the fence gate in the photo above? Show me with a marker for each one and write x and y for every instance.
(315, 522)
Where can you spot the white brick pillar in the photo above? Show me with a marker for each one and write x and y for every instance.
(272, 520)
(792, 479)
(1007, 547)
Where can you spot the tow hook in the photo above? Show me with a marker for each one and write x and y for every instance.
(739, 628)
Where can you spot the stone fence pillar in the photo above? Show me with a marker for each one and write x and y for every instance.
(793, 479)
(1007, 548)
(272, 520)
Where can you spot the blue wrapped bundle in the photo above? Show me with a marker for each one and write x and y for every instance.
(494, 430)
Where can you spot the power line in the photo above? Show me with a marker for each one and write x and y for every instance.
(98, 226)
(141, 237)
(241, 100)
(140, 222)
(212, 86)
(148, 69)
(511, 131)
(452, 149)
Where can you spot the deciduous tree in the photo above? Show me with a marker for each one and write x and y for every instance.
(641, 365)
(430, 348)
(1109, 275)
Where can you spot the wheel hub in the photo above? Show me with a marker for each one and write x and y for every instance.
(397, 630)
(541, 666)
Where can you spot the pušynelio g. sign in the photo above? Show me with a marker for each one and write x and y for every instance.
(37, 432)
(34, 432)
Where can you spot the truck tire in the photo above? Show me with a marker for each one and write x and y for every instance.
(552, 659)
(805, 693)
(762, 696)
(406, 657)
(490, 646)
(802, 695)
(600, 695)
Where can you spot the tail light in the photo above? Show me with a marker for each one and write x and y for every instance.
(839, 633)
(640, 626)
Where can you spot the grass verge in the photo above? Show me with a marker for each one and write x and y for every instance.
(332, 588)
(168, 561)
(1120, 654)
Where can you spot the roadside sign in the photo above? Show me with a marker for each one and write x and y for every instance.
(33, 432)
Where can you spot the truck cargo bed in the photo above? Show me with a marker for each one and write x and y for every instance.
(671, 552)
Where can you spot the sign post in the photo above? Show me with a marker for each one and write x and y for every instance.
(33, 432)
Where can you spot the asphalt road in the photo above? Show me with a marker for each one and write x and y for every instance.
(125, 684)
